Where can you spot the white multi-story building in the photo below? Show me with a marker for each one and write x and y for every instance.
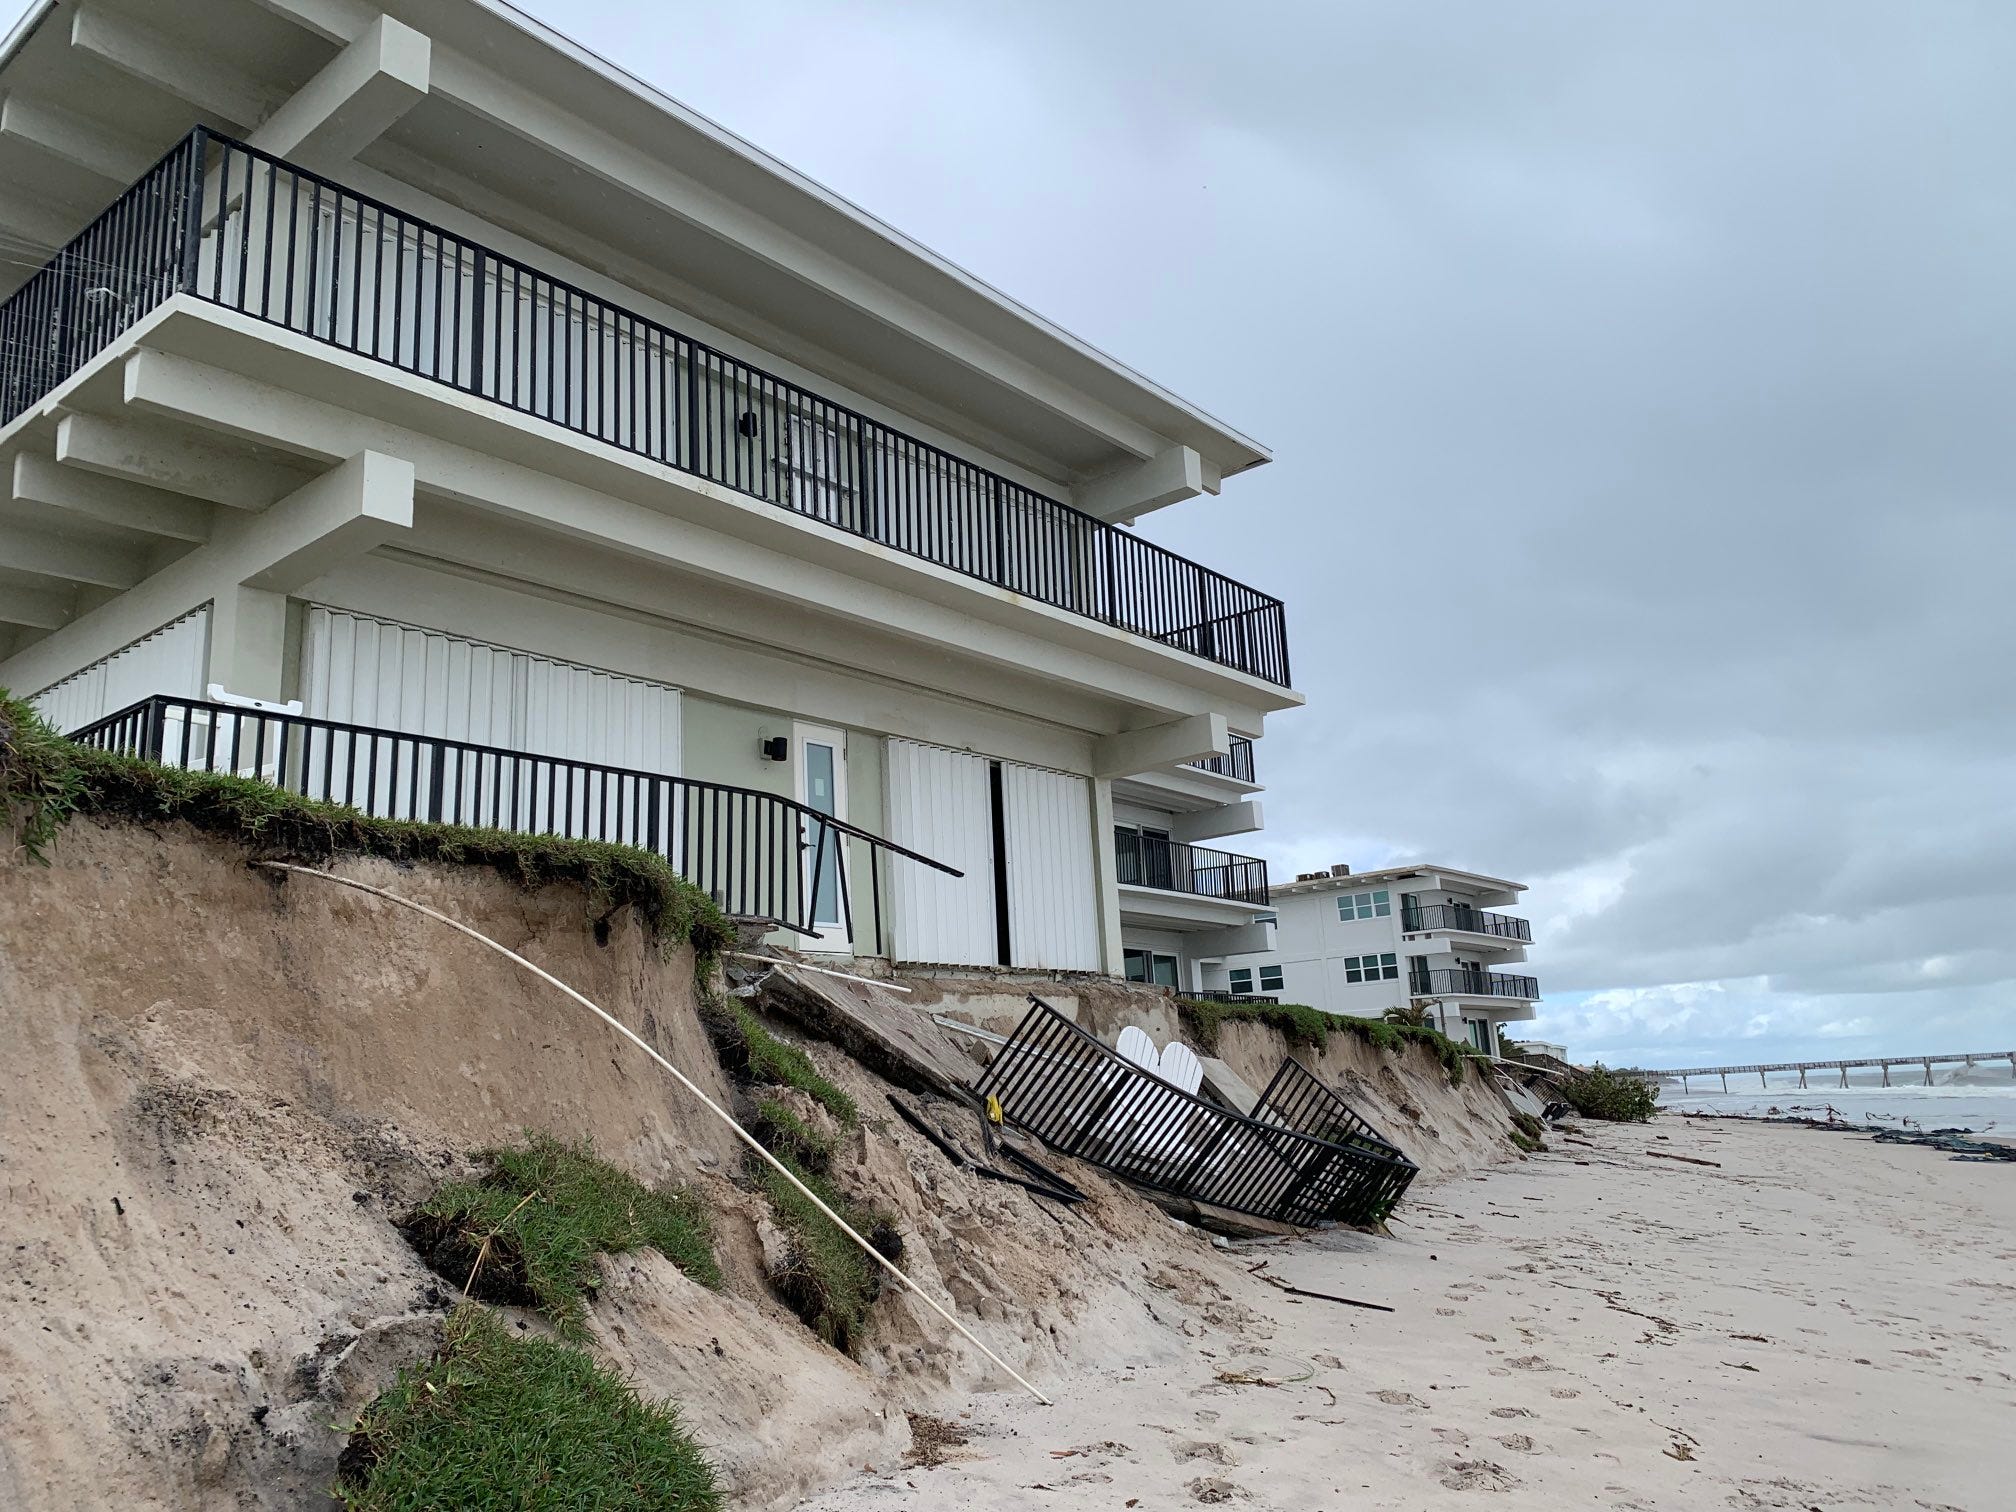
(1186, 906)
(1365, 942)
(573, 465)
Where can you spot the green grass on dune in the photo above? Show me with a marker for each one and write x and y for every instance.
(752, 1053)
(499, 1420)
(547, 1210)
(1302, 1025)
(45, 781)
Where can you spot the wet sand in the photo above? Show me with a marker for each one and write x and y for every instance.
(1816, 1322)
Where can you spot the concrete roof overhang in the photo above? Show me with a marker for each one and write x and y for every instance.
(539, 135)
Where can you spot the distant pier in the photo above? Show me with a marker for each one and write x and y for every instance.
(1970, 1060)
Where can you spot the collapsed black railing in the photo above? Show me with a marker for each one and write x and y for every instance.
(1298, 1099)
(250, 232)
(1082, 1098)
(1152, 861)
(760, 856)
(1419, 916)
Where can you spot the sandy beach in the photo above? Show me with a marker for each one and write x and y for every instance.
(1817, 1322)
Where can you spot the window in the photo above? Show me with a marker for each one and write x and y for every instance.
(1372, 968)
(1148, 966)
(1242, 979)
(1365, 905)
(1270, 978)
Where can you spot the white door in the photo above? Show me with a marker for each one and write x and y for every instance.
(822, 787)
(939, 806)
(1053, 897)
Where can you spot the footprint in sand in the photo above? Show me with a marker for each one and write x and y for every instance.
(1445, 1312)
(1511, 1412)
(1564, 1392)
(1478, 1475)
(1517, 1441)
(1204, 1449)
(1530, 1362)
(1399, 1399)
(1209, 1489)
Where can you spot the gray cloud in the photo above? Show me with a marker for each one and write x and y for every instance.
(1640, 379)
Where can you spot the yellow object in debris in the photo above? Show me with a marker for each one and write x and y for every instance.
(993, 1109)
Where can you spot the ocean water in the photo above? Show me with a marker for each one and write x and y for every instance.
(1981, 1101)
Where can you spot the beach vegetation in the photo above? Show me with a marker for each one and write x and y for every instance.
(1618, 1096)
(751, 1053)
(528, 1230)
(498, 1419)
(1299, 1024)
(782, 1132)
(825, 1278)
(46, 781)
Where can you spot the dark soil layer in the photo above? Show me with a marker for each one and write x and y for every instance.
(455, 1253)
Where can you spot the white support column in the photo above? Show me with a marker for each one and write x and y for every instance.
(1241, 818)
(1161, 746)
(162, 457)
(1106, 873)
(245, 574)
(357, 95)
(74, 139)
(1128, 492)
(43, 482)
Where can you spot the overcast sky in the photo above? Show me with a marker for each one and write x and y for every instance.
(1640, 379)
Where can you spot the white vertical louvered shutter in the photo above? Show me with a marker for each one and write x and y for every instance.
(939, 806)
(170, 660)
(1053, 896)
(364, 671)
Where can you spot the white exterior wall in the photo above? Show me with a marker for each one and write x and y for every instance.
(1314, 944)
(172, 660)
(360, 670)
(400, 553)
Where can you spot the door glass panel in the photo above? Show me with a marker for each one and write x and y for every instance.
(820, 763)
(1165, 970)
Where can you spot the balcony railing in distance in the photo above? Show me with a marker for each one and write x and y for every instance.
(758, 855)
(1416, 917)
(242, 229)
(1236, 762)
(1150, 861)
(1080, 1097)
(1457, 982)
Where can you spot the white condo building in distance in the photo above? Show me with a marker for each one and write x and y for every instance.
(1364, 942)
(404, 405)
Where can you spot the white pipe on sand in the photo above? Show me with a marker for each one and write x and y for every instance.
(713, 1107)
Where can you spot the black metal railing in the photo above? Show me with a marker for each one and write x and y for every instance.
(1419, 916)
(1298, 1099)
(250, 232)
(1080, 1097)
(1219, 995)
(760, 856)
(1236, 762)
(1460, 981)
(1151, 861)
